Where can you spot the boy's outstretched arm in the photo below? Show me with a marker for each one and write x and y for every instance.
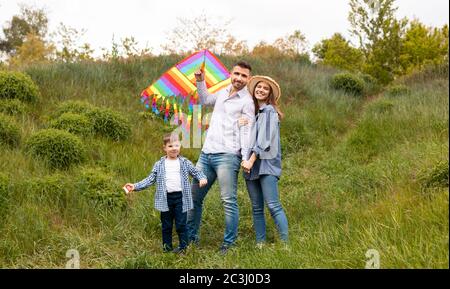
(148, 181)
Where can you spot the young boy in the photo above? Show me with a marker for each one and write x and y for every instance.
(173, 197)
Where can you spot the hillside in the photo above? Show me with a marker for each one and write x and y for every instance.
(358, 174)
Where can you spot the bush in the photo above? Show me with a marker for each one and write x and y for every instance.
(348, 82)
(101, 188)
(371, 85)
(57, 148)
(397, 90)
(76, 107)
(12, 106)
(16, 85)
(110, 124)
(9, 132)
(74, 123)
(437, 176)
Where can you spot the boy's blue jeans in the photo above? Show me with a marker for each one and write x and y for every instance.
(225, 168)
(266, 189)
(175, 203)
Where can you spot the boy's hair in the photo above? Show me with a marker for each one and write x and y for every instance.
(170, 137)
(243, 64)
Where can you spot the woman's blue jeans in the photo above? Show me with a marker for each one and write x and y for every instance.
(265, 189)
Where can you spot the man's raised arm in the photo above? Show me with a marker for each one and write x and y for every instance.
(205, 97)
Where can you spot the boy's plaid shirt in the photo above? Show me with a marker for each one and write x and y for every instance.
(158, 175)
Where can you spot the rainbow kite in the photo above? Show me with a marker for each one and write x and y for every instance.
(176, 88)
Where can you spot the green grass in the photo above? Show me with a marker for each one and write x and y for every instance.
(351, 179)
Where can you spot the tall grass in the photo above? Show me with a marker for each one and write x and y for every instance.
(350, 180)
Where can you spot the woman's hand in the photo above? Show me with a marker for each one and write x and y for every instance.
(242, 121)
(128, 188)
(203, 182)
(246, 166)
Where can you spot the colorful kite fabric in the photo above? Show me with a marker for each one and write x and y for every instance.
(177, 86)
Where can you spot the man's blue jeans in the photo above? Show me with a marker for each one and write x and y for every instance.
(265, 189)
(225, 168)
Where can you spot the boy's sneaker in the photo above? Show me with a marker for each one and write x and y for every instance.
(180, 251)
(167, 249)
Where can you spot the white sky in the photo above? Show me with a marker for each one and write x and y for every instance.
(252, 20)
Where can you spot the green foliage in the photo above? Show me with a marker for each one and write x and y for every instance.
(338, 52)
(74, 123)
(423, 46)
(380, 36)
(17, 85)
(437, 176)
(12, 106)
(397, 90)
(9, 132)
(104, 122)
(30, 20)
(110, 124)
(100, 187)
(58, 149)
(75, 107)
(348, 82)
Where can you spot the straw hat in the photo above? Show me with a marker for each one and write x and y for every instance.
(276, 90)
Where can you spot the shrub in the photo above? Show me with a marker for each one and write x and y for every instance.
(371, 85)
(76, 107)
(348, 82)
(101, 188)
(110, 124)
(397, 90)
(12, 106)
(17, 85)
(9, 132)
(74, 123)
(57, 148)
(437, 176)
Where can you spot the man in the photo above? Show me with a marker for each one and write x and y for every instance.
(225, 145)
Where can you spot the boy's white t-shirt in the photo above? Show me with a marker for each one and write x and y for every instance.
(173, 176)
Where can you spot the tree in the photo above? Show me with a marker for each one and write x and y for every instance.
(423, 45)
(195, 34)
(69, 49)
(379, 33)
(33, 50)
(30, 20)
(233, 47)
(267, 51)
(338, 52)
(292, 45)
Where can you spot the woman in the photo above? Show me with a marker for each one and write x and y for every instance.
(263, 168)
